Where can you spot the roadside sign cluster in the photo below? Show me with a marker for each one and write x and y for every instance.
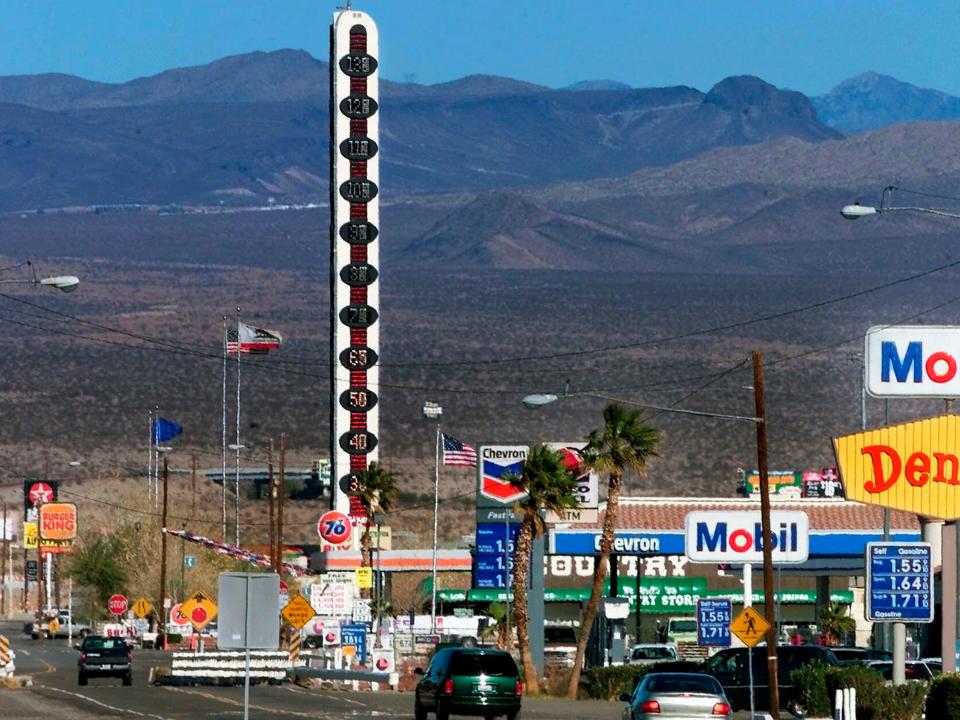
(899, 582)
(117, 604)
(713, 622)
(298, 612)
(750, 626)
(199, 610)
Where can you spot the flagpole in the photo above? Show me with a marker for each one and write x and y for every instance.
(436, 508)
(223, 447)
(149, 457)
(156, 462)
(236, 486)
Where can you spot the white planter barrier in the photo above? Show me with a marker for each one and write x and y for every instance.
(264, 664)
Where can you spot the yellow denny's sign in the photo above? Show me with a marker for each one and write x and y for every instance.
(913, 467)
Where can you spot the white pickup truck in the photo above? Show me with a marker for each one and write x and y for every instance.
(58, 627)
(559, 645)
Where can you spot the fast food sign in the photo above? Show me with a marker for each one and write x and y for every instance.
(58, 521)
(913, 467)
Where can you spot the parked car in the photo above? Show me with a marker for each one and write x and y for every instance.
(731, 669)
(468, 681)
(859, 655)
(60, 629)
(676, 695)
(560, 645)
(104, 657)
(916, 670)
(650, 653)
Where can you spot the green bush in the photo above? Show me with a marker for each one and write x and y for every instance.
(905, 702)
(943, 700)
(871, 691)
(609, 683)
(815, 687)
(811, 690)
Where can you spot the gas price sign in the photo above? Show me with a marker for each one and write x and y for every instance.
(899, 582)
(713, 622)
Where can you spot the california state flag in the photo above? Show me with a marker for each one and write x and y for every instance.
(250, 339)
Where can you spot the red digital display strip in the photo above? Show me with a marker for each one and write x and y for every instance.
(358, 254)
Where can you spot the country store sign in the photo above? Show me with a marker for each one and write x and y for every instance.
(913, 467)
(657, 595)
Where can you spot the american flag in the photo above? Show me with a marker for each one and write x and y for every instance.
(456, 453)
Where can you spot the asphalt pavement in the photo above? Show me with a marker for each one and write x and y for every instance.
(55, 693)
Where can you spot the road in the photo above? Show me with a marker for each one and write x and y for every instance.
(56, 694)
(52, 665)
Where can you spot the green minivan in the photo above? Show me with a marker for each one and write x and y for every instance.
(469, 681)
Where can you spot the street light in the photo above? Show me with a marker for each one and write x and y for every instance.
(236, 447)
(433, 411)
(64, 283)
(378, 519)
(854, 212)
(857, 211)
(759, 419)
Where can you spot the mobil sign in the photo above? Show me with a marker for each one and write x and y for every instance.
(496, 463)
(912, 361)
(913, 466)
(737, 537)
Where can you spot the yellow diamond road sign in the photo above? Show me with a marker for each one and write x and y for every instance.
(298, 612)
(142, 607)
(199, 609)
(749, 626)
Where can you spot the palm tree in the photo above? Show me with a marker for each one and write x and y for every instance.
(376, 491)
(500, 614)
(834, 623)
(550, 486)
(624, 442)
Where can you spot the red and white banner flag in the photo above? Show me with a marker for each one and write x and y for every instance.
(248, 339)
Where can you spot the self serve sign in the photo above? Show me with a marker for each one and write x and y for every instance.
(737, 537)
(913, 361)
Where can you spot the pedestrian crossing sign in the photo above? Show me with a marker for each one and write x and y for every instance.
(750, 626)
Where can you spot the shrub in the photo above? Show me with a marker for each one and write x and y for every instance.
(811, 691)
(943, 700)
(905, 702)
(869, 684)
(815, 687)
(609, 683)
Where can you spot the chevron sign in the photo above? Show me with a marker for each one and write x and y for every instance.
(496, 463)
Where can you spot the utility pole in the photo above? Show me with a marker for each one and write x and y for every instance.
(193, 486)
(163, 551)
(3, 564)
(271, 497)
(768, 586)
(280, 500)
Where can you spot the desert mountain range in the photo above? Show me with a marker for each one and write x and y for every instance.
(517, 219)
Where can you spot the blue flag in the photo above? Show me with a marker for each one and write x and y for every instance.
(164, 430)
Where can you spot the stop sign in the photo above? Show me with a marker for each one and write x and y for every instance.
(117, 604)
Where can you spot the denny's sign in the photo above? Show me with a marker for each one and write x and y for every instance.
(913, 467)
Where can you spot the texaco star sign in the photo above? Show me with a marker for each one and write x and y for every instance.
(40, 493)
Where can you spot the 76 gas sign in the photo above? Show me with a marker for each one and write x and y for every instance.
(335, 528)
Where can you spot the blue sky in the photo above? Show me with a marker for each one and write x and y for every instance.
(808, 45)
